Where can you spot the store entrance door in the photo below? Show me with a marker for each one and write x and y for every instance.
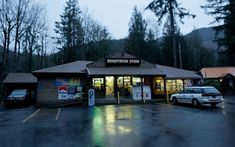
(109, 90)
(124, 86)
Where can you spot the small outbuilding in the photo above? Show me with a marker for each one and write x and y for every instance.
(20, 81)
(224, 77)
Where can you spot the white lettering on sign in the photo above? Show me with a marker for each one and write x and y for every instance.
(117, 60)
(134, 61)
(123, 61)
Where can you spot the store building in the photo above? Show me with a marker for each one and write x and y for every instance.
(121, 76)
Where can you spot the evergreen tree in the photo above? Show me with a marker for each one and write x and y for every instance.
(171, 8)
(166, 46)
(70, 32)
(182, 51)
(152, 51)
(224, 12)
(135, 43)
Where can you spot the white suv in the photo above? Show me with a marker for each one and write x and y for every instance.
(197, 96)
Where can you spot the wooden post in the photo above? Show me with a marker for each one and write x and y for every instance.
(104, 86)
(118, 98)
(116, 90)
(115, 86)
(142, 89)
(165, 90)
(183, 83)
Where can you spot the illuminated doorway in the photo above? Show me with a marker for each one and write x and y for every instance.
(124, 86)
(109, 90)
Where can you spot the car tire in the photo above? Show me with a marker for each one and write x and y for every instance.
(195, 103)
(174, 101)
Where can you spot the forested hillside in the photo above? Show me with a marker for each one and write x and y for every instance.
(206, 35)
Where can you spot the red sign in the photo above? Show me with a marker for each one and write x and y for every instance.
(63, 89)
(62, 92)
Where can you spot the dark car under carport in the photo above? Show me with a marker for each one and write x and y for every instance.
(19, 81)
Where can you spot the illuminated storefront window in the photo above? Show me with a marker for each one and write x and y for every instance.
(171, 85)
(158, 84)
(179, 84)
(98, 83)
(187, 83)
(109, 86)
(136, 81)
(174, 85)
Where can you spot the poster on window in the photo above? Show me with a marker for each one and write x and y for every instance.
(136, 92)
(69, 92)
(62, 92)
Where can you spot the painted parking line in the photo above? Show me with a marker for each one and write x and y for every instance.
(30, 116)
(58, 114)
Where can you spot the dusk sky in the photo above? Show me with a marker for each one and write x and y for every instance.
(116, 14)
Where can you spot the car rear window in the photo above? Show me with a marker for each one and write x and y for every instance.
(211, 90)
(19, 92)
(197, 90)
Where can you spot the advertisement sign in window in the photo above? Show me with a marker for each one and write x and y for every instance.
(136, 92)
(68, 88)
(69, 92)
(62, 92)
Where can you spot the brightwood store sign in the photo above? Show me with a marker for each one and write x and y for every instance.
(120, 61)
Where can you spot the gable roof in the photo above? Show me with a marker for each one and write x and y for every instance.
(73, 67)
(176, 73)
(20, 78)
(119, 55)
(217, 72)
(144, 68)
(100, 68)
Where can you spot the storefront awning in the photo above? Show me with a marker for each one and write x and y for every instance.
(134, 71)
(176, 73)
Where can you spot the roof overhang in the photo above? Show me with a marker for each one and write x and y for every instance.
(133, 71)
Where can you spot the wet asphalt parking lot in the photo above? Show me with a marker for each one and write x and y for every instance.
(119, 125)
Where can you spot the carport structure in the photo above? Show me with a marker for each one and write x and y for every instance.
(20, 81)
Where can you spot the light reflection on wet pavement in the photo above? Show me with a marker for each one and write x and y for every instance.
(120, 125)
